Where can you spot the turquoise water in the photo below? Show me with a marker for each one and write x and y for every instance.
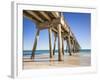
(39, 52)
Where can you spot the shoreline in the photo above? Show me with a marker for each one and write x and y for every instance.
(44, 62)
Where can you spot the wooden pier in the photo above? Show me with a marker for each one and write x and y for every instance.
(55, 23)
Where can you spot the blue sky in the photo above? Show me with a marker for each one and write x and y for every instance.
(80, 24)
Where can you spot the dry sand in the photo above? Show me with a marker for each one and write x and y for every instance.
(43, 61)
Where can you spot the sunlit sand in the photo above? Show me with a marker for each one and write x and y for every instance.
(44, 62)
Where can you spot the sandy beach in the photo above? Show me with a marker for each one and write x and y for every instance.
(43, 61)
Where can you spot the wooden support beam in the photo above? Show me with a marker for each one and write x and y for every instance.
(55, 35)
(65, 27)
(55, 14)
(76, 48)
(35, 44)
(44, 25)
(47, 24)
(29, 16)
(73, 46)
(63, 45)
(65, 34)
(50, 43)
(45, 15)
(35, 15)
(66, 47)
(60, 55)
(63, 23)
(69, 45)
(55, 30)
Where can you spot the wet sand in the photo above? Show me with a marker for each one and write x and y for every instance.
(43, 61)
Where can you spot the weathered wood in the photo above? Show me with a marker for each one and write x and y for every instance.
(69, 45)
(35, 44)
(54, 30)
(74, 46)
(65, 35)
(43, 25)
(45, 15)
(60, 55)
(63, 45)
(66, 47)
(55, 14)
(50, 43)
(35, 15)
(47, 24)
(53, 21)
(29, 17)
(54, 43)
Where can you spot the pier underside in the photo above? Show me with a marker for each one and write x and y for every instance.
(55, 23)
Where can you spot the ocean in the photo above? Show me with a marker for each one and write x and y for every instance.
(40, 52)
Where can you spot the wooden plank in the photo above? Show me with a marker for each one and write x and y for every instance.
(43, 25)
(55, 14)
(35, 15)
(29, 17)
(65, 27)
(47, 24)
(54, 23)
(50, 43)
(35, 44)
(55, 30)
(60, 55)
(45, 15)
(63, 23)
(65, 34)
